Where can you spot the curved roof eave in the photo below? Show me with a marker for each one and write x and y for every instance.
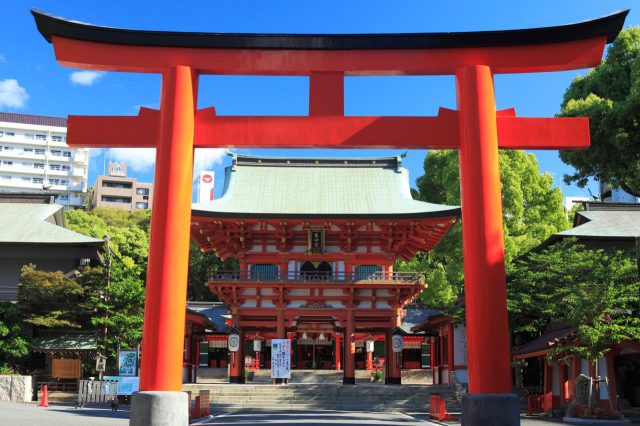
(608, 26)
(452, 212)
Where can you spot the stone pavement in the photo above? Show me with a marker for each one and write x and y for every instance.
(312, 417)
(16, 414)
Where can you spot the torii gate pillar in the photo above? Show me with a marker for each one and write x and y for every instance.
(483, 244)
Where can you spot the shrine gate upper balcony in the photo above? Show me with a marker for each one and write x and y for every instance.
(329, 277)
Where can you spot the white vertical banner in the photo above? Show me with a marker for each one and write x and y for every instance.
(280, 358)
(205, 187)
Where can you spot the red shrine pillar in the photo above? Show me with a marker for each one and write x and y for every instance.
(166, 290)
(369, 365)
(337, 351)
(485, 288)
(393, 359)
(349, 377)
(280, 328)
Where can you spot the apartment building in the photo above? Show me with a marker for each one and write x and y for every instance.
(35, 158)
(122, 192)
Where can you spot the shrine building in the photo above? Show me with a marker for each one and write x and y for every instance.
(316, 240)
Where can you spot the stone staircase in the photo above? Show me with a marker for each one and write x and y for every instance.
(366, 397)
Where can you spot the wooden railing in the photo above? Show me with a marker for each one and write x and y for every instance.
(297, 276)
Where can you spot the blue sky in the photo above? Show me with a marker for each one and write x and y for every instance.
(44, 87)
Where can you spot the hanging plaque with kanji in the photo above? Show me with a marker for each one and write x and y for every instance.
(316, 240)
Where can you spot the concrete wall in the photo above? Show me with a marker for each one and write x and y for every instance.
(16, 388)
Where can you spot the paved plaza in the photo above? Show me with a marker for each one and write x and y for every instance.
(16, 414)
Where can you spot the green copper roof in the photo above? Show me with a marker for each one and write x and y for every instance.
(323, 188)
(26, 223)
(606, 224)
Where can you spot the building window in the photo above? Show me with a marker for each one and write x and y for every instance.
(142, 205)
(263, 272)
(64, 182)
(39, 151)
(8, 148)
(7, 163)
(54, 181)
(56, 138)
(38, 165)
(63, 197)
(112, 184)
(54, 166)
(66, 154)
(367, 272)
(142, 191)
(9, 134)
(25, 164)
(56, 152)
(27, 149)
(110, 199)
(29, 136)
(38, 180)
(6, 177)
(65, 167)
(26, 178)
(41, 137)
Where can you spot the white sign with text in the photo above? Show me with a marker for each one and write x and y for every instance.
(280, 358)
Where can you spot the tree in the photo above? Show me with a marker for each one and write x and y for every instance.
(610, 96)
(596, 292)
(121, 311)
(201, 266)
(532, 211)
(13, 344)
(49, 299)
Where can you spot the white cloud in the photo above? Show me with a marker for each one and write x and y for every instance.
(206, 158)
(141, 159)
(85, 78)
(12, 95)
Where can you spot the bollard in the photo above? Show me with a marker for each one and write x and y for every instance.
(44, 401)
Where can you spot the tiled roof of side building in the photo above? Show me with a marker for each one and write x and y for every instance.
(271, 187)
(36, 120)
(26, 223)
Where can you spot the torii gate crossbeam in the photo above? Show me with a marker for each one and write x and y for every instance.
(476, 129)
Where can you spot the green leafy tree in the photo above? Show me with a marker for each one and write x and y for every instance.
(14, 345)
(596, 292)
(201, 266)
(610, 96)
(120, 310)
(49, 299)
(532, 211)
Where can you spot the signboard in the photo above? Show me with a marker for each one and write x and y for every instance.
(397, 343)
(126, 385)
(280, 358)
(234, 342)
(101, 363)
(316, 240)
(205, 187)
(127, 363)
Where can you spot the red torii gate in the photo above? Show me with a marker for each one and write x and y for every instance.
(476, 129)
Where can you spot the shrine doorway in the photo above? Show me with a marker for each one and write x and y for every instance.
(316, 270)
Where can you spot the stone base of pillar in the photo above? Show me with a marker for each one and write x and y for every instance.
(348, 380)
(490, 409)
(393, 381)
(159, 408)
(236, 379)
